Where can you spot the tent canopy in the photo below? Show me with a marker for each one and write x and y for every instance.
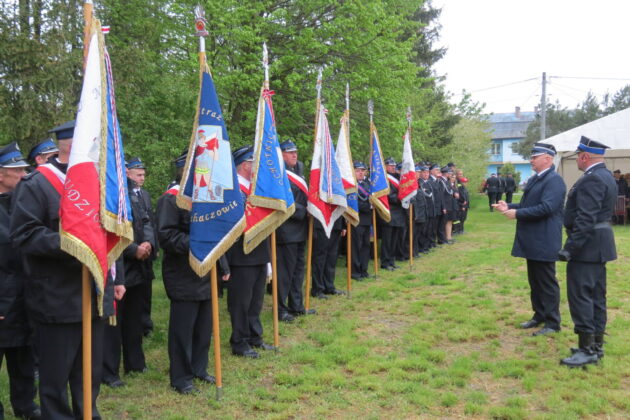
(613, 130)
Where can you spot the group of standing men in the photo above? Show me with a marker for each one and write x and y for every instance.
(496, 186)
(586, 216)
(441, 202)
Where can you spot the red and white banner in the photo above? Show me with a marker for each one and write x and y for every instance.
(408, 186)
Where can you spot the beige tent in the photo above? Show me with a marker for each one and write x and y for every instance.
(612, 130)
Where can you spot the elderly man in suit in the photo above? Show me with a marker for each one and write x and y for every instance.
(590, 244)
(539, 236)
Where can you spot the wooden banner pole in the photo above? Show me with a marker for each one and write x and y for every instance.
(274, 289)
(216, 331)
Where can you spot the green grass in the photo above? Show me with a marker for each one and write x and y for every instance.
(440, 341)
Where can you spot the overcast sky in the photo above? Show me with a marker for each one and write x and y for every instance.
(497, 42)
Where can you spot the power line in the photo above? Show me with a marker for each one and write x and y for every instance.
(589, 78)
(498, 86)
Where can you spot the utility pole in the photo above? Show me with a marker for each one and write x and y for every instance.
(543, 105)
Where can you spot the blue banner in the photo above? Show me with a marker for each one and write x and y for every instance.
(378, 178)
(210, 188)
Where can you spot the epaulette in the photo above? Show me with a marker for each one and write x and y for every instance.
(29, 175)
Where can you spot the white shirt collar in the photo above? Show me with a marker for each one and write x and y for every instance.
(591, 167)
(543, 171)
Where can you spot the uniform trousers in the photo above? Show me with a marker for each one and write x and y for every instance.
(325, 253)
(493, 198)
(402, 248)
(544, 292)
(189, 332)
(21, 370)
(441, 228)
(390, 237)
(290, 277)
(60, 363)
(508, 197)
(431, 231)
(128, 333)
(246, 290)
(147, 297)
(360, 250)
(586, 290)
(420, 239)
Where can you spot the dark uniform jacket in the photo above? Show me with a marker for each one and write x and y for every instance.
(438, 193)
(53, 285)
(395, 206)
(464, 197)
(449, 202)
(14, 329)
(420, 204)
(180, 281)
(426, 188)
(365, 208)
(295, 228)
(588, 213)
(539, 218)
(146, 200)
(138, 271)
(510, 184)
(493, 184)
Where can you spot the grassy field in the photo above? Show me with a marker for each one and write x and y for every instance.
(440, 341)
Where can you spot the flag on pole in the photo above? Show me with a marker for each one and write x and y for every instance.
(326, 193)
(271, 200)
(95, 212)
(408, 187)
(344, 160)
(378, 177)
(210, 188)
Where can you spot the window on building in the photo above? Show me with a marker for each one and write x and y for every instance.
(496, 148)
(513, 147)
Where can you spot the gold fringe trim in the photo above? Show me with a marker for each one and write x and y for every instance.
(201, 268)
(118, 249)
(253, 237)
(112, 321)
(383, 211)
(270, 203)
(351, 216)
(78, 249)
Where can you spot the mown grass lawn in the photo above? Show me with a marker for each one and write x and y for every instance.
(440, 341)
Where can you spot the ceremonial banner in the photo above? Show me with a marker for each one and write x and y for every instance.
(378, 178)
(95, 225)
(271, 201)
(326, 193)
(209, 187)
(344, 160)
(408, 186)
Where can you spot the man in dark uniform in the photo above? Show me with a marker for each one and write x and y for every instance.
(420, 211)
(501, 187)
(190, 320)
(510, 187)
(136, 171)
(438, 202)
(128, 330)
(426, 189)
(15, 332)
(392, 233)
(291, 241)
(463, 201)
(492, 188)
(53, 288)
(361, 232)
(246, 289)
(41, 152)
(590, 244)
(325, 254)
(539, 236)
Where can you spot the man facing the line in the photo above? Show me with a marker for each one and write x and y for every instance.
(539, 236)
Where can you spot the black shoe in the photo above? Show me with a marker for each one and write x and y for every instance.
(187, 390)
(265, 346)
(367, 276)
(580, 358)
(335, 292)
(357, 278)
(207, 378)
(147, 333)
(545, 331)
(114, 383)
(532, 323)
(320, 296)
(249, 353)
(395, 267)
(304, 312)
(450, 241)
(34, 414)
(389, 268)
(285, 317)
(143, 370)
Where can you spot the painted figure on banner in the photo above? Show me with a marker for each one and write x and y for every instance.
(212, 176)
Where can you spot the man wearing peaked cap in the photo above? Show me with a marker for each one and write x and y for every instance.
(539, 235)
(361, 233)
(42, 151)
(492, 188)
(246, 287)
(54, 288)
(15, 331)
(436, 187)
(190, 319)
(590, 244)
(291, 241)
(392, 232)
